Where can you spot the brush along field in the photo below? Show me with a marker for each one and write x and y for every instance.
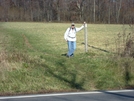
(31, 59)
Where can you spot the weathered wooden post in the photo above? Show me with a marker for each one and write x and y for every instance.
(85, 37)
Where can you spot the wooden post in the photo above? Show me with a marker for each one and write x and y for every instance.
(85, 37)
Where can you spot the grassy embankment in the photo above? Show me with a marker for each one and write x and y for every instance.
(31, 61)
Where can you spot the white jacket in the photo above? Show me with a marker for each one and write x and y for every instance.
(70, 34)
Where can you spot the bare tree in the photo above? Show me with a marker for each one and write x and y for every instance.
(118, 8)
(94, 11)
(109, 11)
(80, 5)
(58, 6)
(5, 5)
(31, 9)
(49, 9)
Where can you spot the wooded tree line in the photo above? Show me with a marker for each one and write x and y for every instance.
(92, 11)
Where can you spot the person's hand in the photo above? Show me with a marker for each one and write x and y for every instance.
(66, 40)
(85, 24)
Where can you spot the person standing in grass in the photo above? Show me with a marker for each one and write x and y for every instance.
(70, 37)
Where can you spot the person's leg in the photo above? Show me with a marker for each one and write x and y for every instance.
(73, 44)
(69, 48)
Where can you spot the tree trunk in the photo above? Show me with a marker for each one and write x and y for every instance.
(58, 10)
(31, 10)
(94, 11)
(109, 13)
(118, 10)
(38, 11)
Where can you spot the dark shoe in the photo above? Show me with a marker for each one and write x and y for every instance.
(70, 55)
(64, 54)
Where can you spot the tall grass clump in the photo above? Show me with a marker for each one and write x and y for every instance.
(125, 55)
(19, 73)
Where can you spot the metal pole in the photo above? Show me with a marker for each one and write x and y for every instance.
(85, 37)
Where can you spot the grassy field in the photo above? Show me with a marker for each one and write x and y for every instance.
(31, 61)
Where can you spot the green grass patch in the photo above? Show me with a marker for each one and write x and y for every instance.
(31, 60)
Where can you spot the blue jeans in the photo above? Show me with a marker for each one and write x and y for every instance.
(71, 47)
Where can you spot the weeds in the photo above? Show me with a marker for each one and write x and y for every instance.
(125, 55)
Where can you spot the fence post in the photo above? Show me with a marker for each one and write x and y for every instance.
(85, 37)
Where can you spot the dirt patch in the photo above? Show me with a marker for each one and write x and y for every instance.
(27, 42)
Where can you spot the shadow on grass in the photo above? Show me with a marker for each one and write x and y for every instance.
(127, 75)
(67, 76)
(97, 48)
